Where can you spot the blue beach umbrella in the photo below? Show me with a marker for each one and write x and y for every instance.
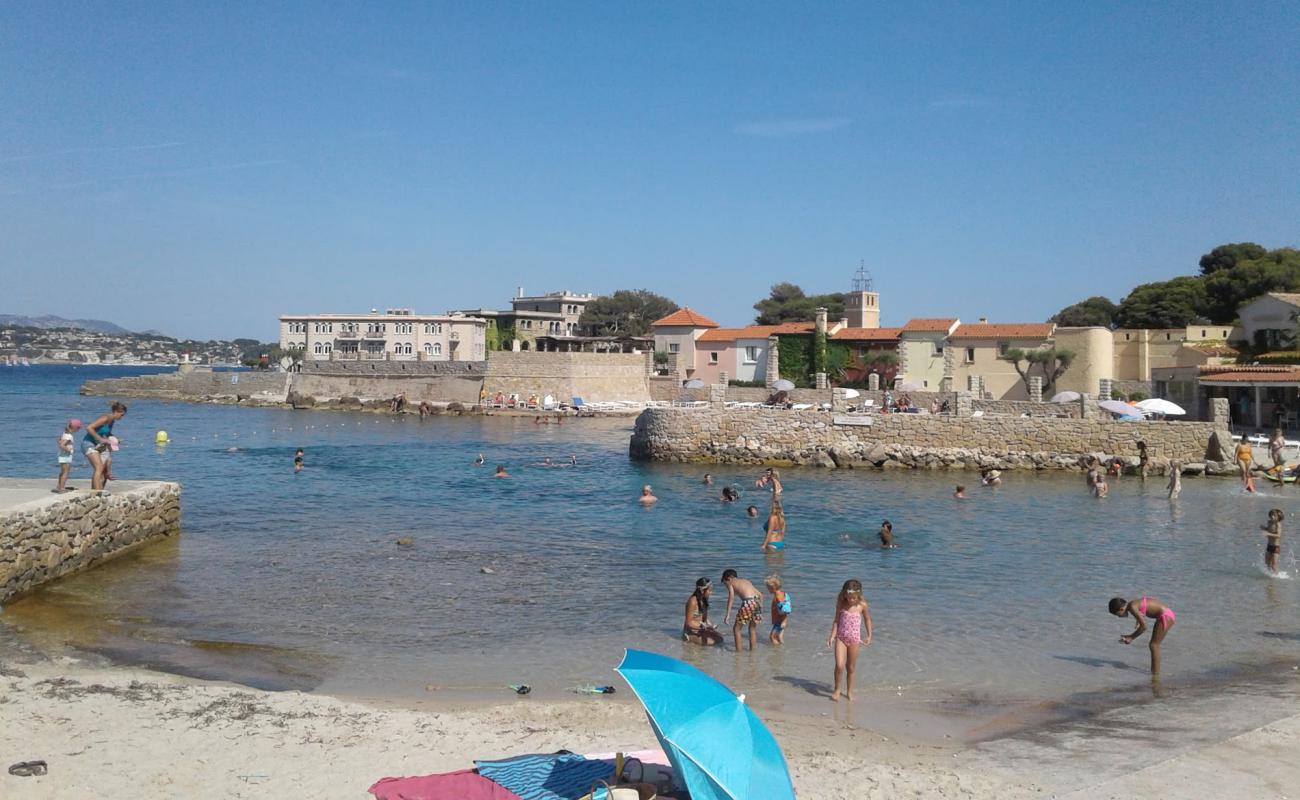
(719, 748)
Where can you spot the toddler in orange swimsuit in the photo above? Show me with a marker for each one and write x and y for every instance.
(1146, 607)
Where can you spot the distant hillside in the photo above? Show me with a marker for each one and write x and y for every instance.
(49, 321)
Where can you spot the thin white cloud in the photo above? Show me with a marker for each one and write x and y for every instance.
(783, 128)
(80, 150)
(961, 101)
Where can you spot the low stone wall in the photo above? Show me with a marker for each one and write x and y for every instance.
(56, 535)
(196, 385)
(753, 436)
(594, 377)
(1020, 408)
(314, 389)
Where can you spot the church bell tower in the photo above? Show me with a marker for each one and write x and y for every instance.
(862, 305)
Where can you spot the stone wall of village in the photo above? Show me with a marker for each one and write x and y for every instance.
(595, 377)
(51, 539)
(201, 385)
(754, 436)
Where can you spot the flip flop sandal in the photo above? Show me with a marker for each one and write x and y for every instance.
(26, 769)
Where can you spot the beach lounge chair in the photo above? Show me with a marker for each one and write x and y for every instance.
(978, 413)
(801, 406)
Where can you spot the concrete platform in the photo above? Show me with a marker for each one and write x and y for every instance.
(44, 536)
(27, 494)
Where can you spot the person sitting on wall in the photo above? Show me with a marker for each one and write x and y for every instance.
(780, 398)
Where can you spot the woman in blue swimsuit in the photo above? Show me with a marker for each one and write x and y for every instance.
(95, 445)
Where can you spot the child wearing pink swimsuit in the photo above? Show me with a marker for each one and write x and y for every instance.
(846, 635)
(1141, 610)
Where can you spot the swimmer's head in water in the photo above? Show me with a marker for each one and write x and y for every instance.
(1118, 606)
(887, 525)
(752, 511)
(645, 490)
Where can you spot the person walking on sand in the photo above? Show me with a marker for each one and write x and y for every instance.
(1175, 479)
(781, 609)
(647, 496)
(851, 611)
(67, 446)
(1146, 607)
(1273, 530)
(696, 628)
(96, 446)
(749, 611)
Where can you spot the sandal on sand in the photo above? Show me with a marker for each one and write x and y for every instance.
(26, 769)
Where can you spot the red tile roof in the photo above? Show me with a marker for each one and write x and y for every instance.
(755, 332)
(687, 318)
(1018, 330)
(930, 324)
(1252, 373)
(867, 334)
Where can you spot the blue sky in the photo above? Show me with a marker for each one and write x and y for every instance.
(202, 168)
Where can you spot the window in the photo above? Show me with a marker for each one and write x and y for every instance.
(751, 355)
(437, 348)
(329, 348)
(970, 355)
(713, 358)
(1202, 333)
(1003, 347)
(674, 348)
(938, 348)
(319, 349)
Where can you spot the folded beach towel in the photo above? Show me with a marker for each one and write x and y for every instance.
(465, 784)
(562, 776)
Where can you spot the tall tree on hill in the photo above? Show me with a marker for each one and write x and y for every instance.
(626, 312)
(1227, 256)
(1086, 313)
(788, 303)
(1228, 288)
(1165, 304)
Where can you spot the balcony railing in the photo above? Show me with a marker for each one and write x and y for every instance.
(376, 335)
(348, 335)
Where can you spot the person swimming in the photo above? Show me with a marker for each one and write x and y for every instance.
(887, 535)
(478, 462)
(647, 496)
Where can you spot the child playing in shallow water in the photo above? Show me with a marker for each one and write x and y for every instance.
(1273, 530)
(1138, 609)
(781, 609)
(748, 612)
(1175, 479)
(846, 635)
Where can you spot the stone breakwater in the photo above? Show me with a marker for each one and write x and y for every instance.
(918, 441)
(44, 536)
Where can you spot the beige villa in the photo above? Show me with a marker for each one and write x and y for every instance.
(552, 316)
(395, 335)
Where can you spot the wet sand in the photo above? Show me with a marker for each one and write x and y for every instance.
(116, 732)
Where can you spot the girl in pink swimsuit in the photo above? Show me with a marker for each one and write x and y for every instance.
(1140, 610)
(846, 635)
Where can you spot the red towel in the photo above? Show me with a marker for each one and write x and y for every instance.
(463, 785)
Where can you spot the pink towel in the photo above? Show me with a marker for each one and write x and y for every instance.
(463, 785)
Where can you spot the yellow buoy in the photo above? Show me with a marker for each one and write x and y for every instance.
(160, 437)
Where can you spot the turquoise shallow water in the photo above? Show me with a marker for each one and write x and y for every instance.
(994, 603)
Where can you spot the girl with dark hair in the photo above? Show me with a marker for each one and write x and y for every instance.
(696, 628)
(96, 445)
(1151, 608)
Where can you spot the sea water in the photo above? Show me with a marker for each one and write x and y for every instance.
(990, 604)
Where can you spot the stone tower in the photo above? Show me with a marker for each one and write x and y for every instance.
(862, 305)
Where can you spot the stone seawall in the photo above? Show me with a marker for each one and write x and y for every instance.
(595, 377)
(755, 436)
(44, 536)
(200, 385)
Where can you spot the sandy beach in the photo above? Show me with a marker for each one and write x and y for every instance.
(115, 732)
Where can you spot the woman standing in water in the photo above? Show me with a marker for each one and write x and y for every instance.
(1141, 610)
(96, 446)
